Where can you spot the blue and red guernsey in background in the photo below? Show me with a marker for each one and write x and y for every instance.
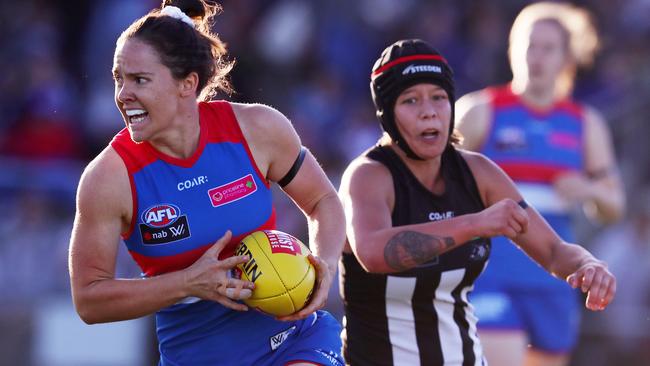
(534, 145)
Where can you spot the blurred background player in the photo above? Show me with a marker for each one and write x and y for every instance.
(420, 214)
(183, 172)
(560, 155)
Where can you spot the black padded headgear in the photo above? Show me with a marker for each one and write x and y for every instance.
(400, 66)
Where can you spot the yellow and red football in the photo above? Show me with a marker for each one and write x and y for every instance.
(278, 265)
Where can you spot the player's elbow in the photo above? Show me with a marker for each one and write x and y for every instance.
(370, 260)
(371, 266)
(86, 314)
(618, 210)
(84, 308)
(612, 217)
(609, 213)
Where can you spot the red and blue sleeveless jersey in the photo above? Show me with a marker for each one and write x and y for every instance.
(533, 147)
(182, 206)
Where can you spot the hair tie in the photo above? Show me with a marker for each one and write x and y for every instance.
(176, 12)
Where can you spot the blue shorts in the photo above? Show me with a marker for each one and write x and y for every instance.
(206, 333)
(515, 293)
(319, 344)
(550, 318)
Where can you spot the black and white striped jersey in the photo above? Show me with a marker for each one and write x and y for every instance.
(421, 316)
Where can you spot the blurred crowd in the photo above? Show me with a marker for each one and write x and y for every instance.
(311, 60)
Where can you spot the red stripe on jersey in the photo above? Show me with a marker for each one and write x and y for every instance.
(138, 155)
(134, 155)
(503, 97)
(532, 171)
(153, 266)
(227, 129)
(232, 132)
(134, 207)
(571, 108)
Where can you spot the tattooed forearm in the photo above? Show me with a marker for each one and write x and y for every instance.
(408, 249)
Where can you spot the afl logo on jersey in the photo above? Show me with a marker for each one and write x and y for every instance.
(510, 139)
(161, 215)
(162, 224)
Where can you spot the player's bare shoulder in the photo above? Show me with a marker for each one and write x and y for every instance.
(105, 182)
(106, 169)
(262, 122)
(364, 174)
(477, 161)
(270, 136)
(488, 175)
(473, 116)
(363, 166)
(474, 104)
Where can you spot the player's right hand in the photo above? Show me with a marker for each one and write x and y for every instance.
(505, 217)
(209, 277)
(320, 291)
(594, 279)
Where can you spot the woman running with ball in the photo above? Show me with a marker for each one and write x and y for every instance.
(182, 173)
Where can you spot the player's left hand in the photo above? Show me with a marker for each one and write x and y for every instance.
(597, 282)
(320, 292)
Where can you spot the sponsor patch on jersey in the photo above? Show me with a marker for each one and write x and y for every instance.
(564, 140)
(511, 139)
(277, 340)
(281, 243)
(439, 216)
(162, 224)
(191, 183)
(232, 191)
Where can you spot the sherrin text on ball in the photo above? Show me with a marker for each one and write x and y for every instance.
(279, 266)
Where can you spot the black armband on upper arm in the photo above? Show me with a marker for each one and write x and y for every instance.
(294, 168)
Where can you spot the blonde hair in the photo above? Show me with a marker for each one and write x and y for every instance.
(576, 23)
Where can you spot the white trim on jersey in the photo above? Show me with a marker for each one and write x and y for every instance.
(401, 322)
